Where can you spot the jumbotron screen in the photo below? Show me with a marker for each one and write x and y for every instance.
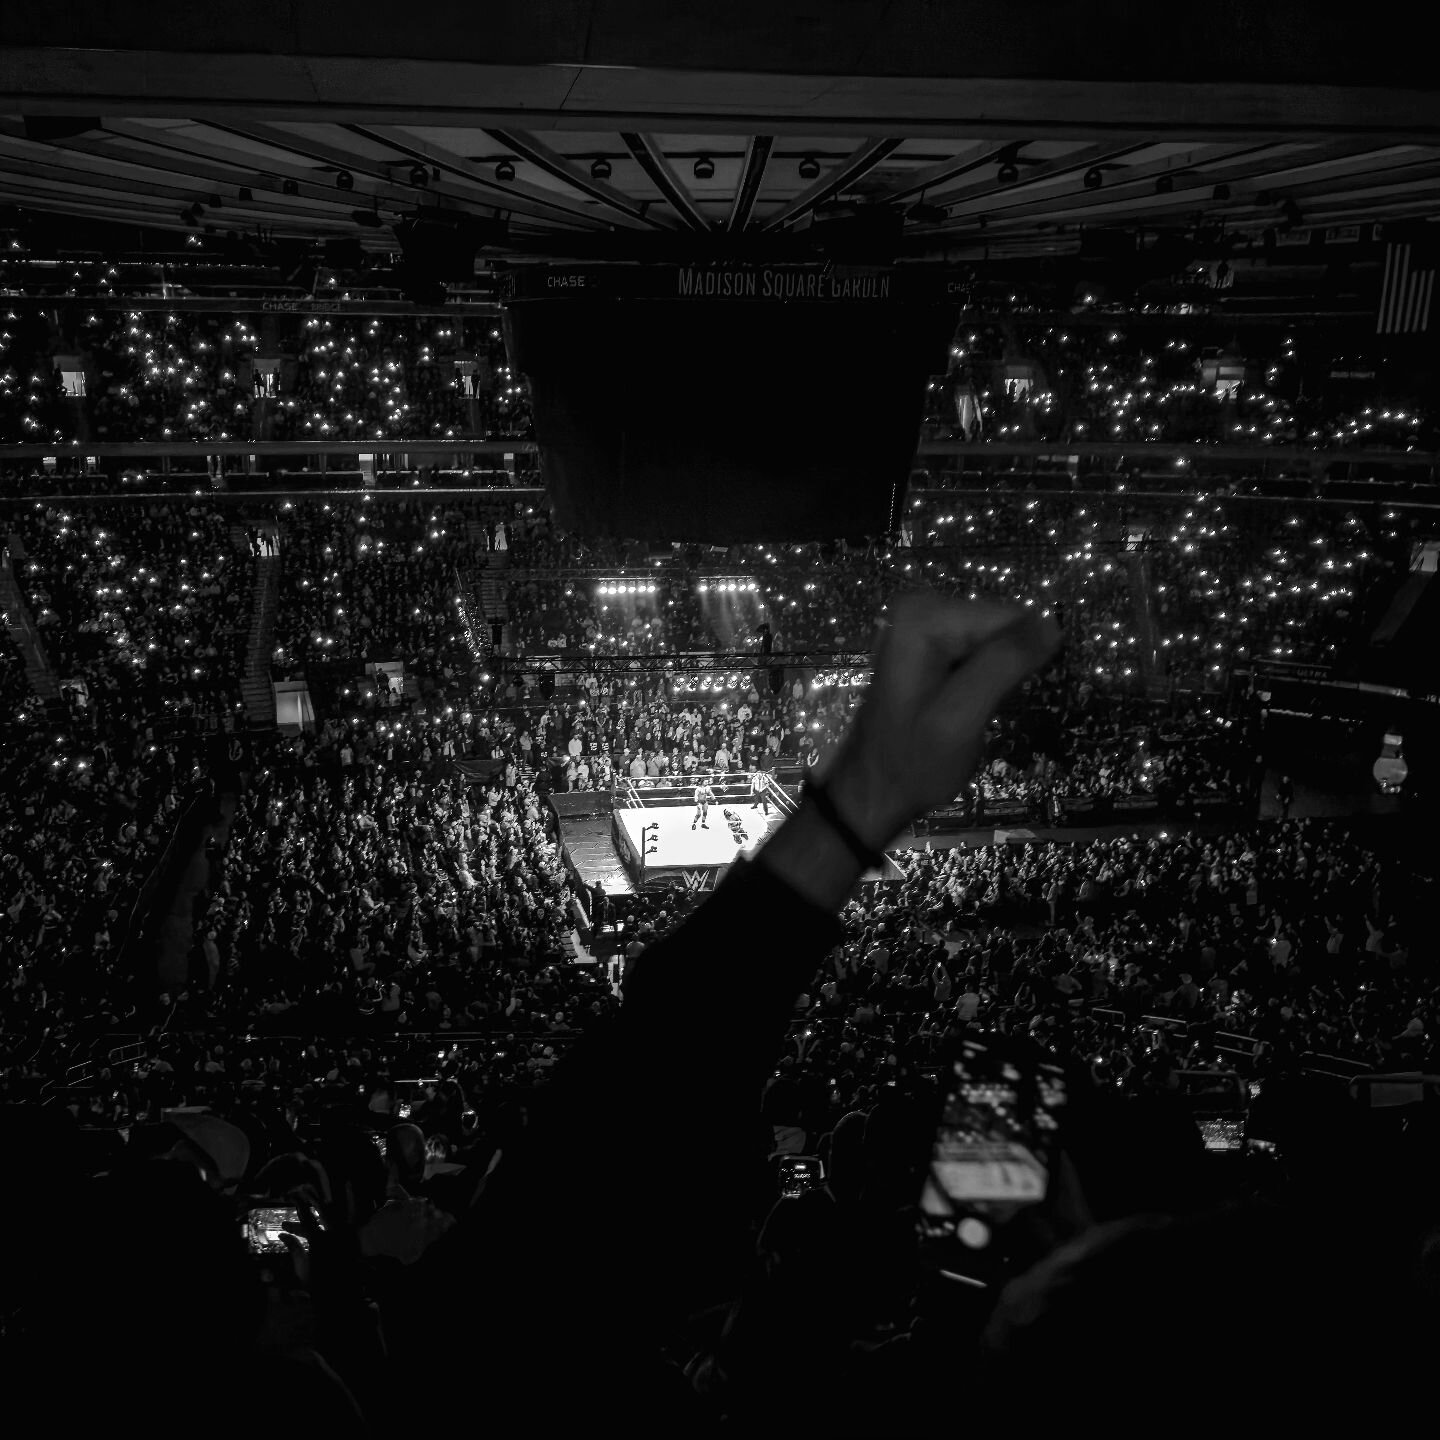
(757, 403)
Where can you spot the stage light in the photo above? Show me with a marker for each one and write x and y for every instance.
(289, 187)
(809, 168)
(1220, 192)
(1008, 174)
(344, 180)
(419, 176)
(1093, 178)
(505, 170)
(1164, 184)
(600, 169)
(704, 168)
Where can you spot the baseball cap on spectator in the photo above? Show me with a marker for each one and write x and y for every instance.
(223, 1149)
(405, 1154)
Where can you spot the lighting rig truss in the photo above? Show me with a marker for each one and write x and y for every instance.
(728, 585)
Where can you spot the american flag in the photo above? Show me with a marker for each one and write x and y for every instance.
(1406, 291)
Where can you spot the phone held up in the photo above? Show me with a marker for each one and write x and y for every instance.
(266, 1226)
(995, 1150)
(799, 1173)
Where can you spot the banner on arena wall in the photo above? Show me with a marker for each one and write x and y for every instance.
(1291, 670)
(484, 304)
(1133, 804)
(229, 305)
(846, 284)
(1407, 285)
(1077, 804)
(696, 880)
(1209, 800)
(1006, 809)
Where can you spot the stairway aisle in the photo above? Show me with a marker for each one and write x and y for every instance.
(1147, 629)
(173, 923)
(493, 584)
(26, 638)
(256, 687)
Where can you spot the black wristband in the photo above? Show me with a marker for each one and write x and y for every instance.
(819, 796)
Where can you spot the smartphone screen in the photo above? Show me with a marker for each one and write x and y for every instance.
(994, 1145)
(799, 1173)
(265, 1224)
(411, 1093)
(1222, 1135)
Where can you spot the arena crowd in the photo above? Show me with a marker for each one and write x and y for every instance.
(397, 1010)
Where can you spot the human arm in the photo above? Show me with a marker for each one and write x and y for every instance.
(651, 1130)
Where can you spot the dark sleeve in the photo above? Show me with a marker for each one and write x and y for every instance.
(637, 1179)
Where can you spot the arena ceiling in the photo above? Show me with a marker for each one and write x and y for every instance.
(599, 129)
